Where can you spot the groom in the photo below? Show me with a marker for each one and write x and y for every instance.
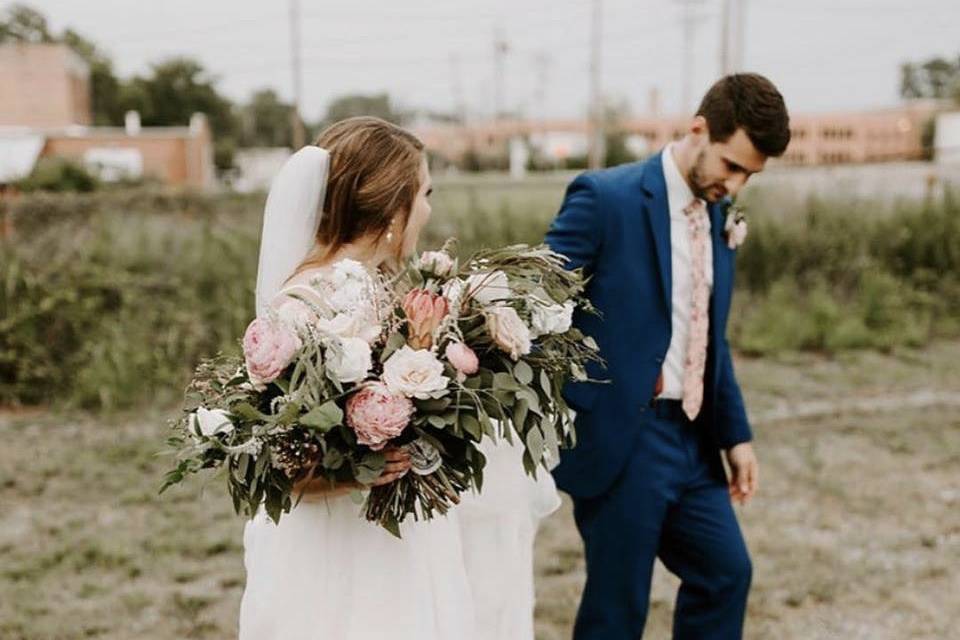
(647, 476)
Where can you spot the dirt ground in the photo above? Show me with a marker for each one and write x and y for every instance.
(855, 534)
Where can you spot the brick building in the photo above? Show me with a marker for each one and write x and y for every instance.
(45, 112)
(827, 138)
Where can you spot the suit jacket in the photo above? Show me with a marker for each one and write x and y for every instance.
(615, 224)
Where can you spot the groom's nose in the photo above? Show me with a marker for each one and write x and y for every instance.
(734, 183)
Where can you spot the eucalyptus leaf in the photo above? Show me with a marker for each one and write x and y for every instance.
(520, 410)
(523, 372)
(332, 459)
(551, 442)
(247, 411)
(545, 383)
(534, 442)
(471, 425)
(323, 418)
(394, 342)
(505, 381)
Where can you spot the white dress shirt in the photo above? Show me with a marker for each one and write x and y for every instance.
(679, 196)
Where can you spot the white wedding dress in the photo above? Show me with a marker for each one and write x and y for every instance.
(325, 572)
(498, 527)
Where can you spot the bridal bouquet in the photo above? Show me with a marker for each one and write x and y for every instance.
(431, 359)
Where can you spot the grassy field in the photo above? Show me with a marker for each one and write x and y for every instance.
(856, 532)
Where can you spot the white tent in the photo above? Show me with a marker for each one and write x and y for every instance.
(19, 151)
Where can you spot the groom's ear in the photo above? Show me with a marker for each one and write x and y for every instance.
(699, 128)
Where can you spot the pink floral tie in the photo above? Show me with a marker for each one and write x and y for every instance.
(696, 362)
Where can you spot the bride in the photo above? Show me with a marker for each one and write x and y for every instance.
(324, 572)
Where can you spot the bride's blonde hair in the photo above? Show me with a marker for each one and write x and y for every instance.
(374, 178)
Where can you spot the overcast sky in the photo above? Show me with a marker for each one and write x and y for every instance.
(823, 54)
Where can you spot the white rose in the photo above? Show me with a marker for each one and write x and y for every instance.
(488, 288)
(551, 318)
(437, 262)
(208, 422)
(508, 331)
(453, 292)
(295, 313)
(347, 269)
(415, 373)
(351, 325)
(350, 360)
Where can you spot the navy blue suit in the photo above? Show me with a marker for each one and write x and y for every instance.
(644, 483)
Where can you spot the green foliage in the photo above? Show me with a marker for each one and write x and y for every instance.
(109, 307)
(20, 23)
(266, 121)
(351, 105)
(58, 174)
(934, 78)
(111, 298)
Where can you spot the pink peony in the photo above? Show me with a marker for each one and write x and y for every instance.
(425, 311)
(376, 415)
(268, 348)
(462, 357)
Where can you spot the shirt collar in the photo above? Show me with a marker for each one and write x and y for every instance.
(679, 194)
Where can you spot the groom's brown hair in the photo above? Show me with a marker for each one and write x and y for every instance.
(751, 102)
(374, 177)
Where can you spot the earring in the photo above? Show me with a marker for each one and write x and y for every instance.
(390, 236)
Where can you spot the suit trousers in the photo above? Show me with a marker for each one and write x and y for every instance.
(671, 501)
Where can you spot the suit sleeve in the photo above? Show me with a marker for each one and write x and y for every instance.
(733, 427)
(577, 231)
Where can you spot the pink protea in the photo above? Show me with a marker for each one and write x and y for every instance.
(462, 357)
(425, 311)
(377, 416)
(268, 349)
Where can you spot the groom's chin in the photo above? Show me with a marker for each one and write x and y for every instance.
(714, 195)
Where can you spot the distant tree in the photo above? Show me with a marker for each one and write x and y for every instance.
(615, 136)
(105, 87)
(378, 105)
(176, 89)
(265, 121)
(935, 78)
(20, 23)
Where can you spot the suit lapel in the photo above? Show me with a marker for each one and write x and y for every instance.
(720, 263)
(657, 211)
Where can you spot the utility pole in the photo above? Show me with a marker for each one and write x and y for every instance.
(500, 49)
(741, 36)
(541, 61)
(725, 62)
(296, 122)
(459, 105)
(596, 152)
(690, 20)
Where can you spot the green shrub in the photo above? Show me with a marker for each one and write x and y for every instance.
(108, 299)
(59, 175)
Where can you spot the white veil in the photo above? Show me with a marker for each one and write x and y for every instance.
(290, 220)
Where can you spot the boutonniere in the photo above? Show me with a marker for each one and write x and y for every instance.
(735, 227)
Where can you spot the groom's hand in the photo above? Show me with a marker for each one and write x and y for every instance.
(744, 472)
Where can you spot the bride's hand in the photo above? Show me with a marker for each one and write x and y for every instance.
(397, 465)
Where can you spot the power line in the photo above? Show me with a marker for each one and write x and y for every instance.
(500, 49)
(296, 122)
(595, 151)
(690, 19)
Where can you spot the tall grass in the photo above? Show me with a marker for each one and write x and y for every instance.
(108, 300)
